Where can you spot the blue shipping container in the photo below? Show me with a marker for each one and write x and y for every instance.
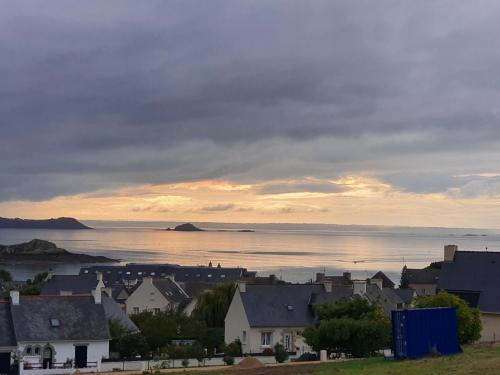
(418, 333)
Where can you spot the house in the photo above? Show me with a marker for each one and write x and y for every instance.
(131, 274)
(68, 285)
(386, 281)
(337, 281)
(388, 299)
(424, 281)
(262, 315)
(153, 294)
(475, 276)
(53, 334)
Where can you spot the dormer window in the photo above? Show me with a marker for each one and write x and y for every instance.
(85, 271)
(222, 276)
(55, 322)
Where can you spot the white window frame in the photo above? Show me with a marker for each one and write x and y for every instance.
(266, 343)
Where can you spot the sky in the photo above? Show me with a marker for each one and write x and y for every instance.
(351, 112)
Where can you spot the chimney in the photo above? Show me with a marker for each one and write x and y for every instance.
(377, 282)
(347, 275)
(328, 286)
(242, 286)
(14, 297)
(99, 276)
(359, 287)
(449, 252)
(97, 296)
(320, 276)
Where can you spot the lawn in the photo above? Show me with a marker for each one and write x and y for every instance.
(484, 360)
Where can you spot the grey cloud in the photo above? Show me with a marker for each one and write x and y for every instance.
(219, 207)
(98, 95)
(298, 187)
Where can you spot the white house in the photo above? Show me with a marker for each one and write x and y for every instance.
(262, 315)
(155, 295)
(53, 334)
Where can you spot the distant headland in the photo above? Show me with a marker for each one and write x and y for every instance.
(59, 223)
(44, 252)
(187, 227)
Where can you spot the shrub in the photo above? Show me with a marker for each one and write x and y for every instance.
(468, 319)
(268, 351)
(185, 362)
(233, 349)
(228, 360)
(307, 357)
(280, 354)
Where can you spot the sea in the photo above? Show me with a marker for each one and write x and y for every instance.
(293, 252)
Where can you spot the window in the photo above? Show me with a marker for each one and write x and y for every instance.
(85, 271)
(265, 338)
(55, 322)
(244, 337)
(152, 273)
(28, 350)
(135, 310)
(209, 275)
(222, 276)
(157, 310)
(37, 350)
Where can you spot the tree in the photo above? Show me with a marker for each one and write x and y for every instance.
(132, 345)
(280, 354)
(5, 275)
(212, 306)
(349, 326)
(404, 278)
(468, 319)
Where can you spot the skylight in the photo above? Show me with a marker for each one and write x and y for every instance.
(55, 322)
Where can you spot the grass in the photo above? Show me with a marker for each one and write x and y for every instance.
(475, 360)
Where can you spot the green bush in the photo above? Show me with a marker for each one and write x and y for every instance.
(468, 319)
(228, 360)
(185, 362)
(233, 349)
(280, 354)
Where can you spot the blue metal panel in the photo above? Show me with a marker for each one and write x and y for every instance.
(420, 332)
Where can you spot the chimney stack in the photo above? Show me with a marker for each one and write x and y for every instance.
(242, 286)
(320, 276)
(97, 296)
(328, 286)
(359, 287)
(347, 275)
(449, 252)
(14, 297)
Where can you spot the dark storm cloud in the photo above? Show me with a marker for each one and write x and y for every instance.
(99, 95)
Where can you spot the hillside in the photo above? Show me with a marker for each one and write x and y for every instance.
(59, 223)
(44, 252)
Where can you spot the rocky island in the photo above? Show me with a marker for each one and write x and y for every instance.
(59, 223)
(187, 227)
(44, 252)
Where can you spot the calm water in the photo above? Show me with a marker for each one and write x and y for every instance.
(294, 254)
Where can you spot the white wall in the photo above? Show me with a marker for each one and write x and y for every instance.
(61, 352)
(236, 322)
(146, 297)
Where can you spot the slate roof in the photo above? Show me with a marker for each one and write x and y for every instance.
(288, 305)
(80, 319)
(113, 311)
(170, 290)
(77, 284)
(422, 276)
(386, 282)
(405, 294)
(385, 298)
(476, 274)
(131, 271)
(7, 338)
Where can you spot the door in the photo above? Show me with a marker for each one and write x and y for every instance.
(287, 341)
(47, 357)
(81, 356)
(4, 363)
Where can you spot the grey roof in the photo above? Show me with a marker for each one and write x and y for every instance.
(474, 273)
(80, 319)
(334, 296)
(281, 305)
(422, 276)
(132, 271)
(386, 281)
(7, 338)
(170, 290)
(385, 298)
(77, 284)
(113, 311)
(406, 294)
